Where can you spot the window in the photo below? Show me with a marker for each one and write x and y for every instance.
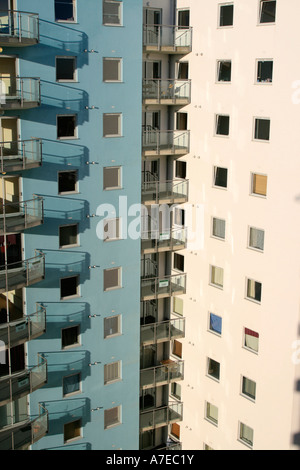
(267, 11)
(179, 262)
(183, 19)
(71, 384)
(65, 69)
(69, 287)
(254, 290)
(215, 324)
(211, 413)
(248, 388)
(180, 169)
(259, 184)
(112, 372)
(70, 337)
(112, 417)
(222, 125)
(112, 69)
(111, 178)
(176, 390)
(264, 71)
(246, 434)
(175, 430)
(64, 10)
(181, 121)
(218, 228)
(179, 217)
(112, 13)
(112, 279)
(72, 431)
(256, 239)
(216, 276)
(182, 70)
(251, 340)
(112, 326)
(68, 236)
(178, 306)
(177, 348)
(112, 125)
(226, 15)
(224, 71)
(262, 129)
(220, 177)
(213, 369)
(112, 229)
(67, 182)
(67, 127)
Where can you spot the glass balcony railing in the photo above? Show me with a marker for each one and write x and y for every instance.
(19, 92)
(25, 329)
(22, 383)
(177, 92)
(23, 273)
(168, 240)
(161, 416)
(168, 192)
(168, 39)
(162, 331)
(171, 371)
(25, 433)
(20, 155)
(19, 216)
(157, 142)
(18, 28)
(167, 286)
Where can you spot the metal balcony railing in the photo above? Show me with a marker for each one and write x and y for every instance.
(24, 434)
(177, 92)
(19, 92)
(168, 192)
(18, 28)
(167, 286)
(161, 416)
(19, 216)
(157, 142)
(160, 332)
(171, 371)
(168, 39)
(20, 155)
(22, 273)
(167, 240)
(24, 329)
(22, 383)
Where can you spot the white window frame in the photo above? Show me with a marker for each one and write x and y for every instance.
(64, 247)
(260, 118)
(207, 417)
(260, 3)
(252, 193)
(256, 72)
(118, 233)
(76, 183)
(112, 188)
(109, 426)
(73, 296)
(212, 228)
(74, 14)
(75, 127)
(60, 80)
(223, 82)
(244, 395)
(244, 341)
(120, 69)
(119, 332)
(215, 167)
(120, 126)
(249, 238)
(207, 369)
(250, 298)
(74, 438)
(120, 11)
(119, 286)
(80, 385)
(219, 14)
(211, 283)
(240, 439)
(208, 325)
(119, 373)
(226, 136)
(74, 345)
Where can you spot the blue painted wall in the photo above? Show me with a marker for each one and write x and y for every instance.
(57, 39)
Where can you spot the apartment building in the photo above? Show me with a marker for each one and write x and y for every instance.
(241, 383)
(70, 105)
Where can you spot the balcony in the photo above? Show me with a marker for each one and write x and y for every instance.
(22, 383)
(19, 216)
(159, 288)
(22, 274)
(154, 241)
(168, 92)
(23, 434)
(160, 417)
(19, 92)
(167, 39)
(165, 192)
(20, 155)
(161, 332)
(171, 371)
(24, 329)
(18, 28)
(156, 142)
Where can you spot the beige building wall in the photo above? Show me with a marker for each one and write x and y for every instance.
(274, 416)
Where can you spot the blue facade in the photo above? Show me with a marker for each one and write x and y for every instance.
(89, 98)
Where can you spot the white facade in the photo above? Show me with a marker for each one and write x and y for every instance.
(274, 413)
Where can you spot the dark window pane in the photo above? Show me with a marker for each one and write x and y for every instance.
(111, 12)
(226, 15)
(223, 125)
(184, 19)
(68, 235)
(70, 336)
(268, 11)
(213, 369)
(69, 287)
(66, 126)
(262, 129)
(221, 177)
(65, 68)
(67, 181)
(265, 71)
(224, 71)
(64, 10)
(71, 384)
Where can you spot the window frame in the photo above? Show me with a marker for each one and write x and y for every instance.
(243, 441)
(250, 227)
(216, 379)
(119, 286)
(120, 69)
(115, 2)
(221, 5)
(73, 439)
(73, 137)
(119, 422)
(74, 2)
(258, 61)
(256, 118)
(251, 299)
(211, 283)
(64, 247)
(260, 8)
(118, 229)
(119, 377)
(216, 237)
(263, 196)
(79, 391)
(73, 345)
(209, 324)
(244, 340)
(73, 296)
(215, 169)
(219, 63)
(75, 74)
(208, 417)
(120, 126)
(245, 395)
(217, 116)
(76, 182)
(119, 332)
(113, 188)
